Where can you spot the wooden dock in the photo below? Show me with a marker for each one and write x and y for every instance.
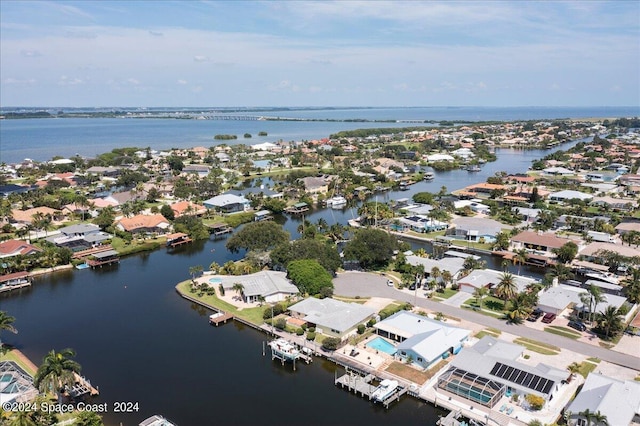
(82, 387)
(364, 386)
(218, 229)
(89, 252)
(177, 239)
(220, 319)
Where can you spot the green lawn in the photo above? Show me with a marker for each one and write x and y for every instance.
(539, 347)
(594, 360)
(489, 302)
(488, 332)
(252, 315)
(447, 293)
(12, 356)
(136, 246)
(586, 368)
(562, 331)
(483, 312)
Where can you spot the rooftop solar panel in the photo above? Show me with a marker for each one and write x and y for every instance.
(521, 377)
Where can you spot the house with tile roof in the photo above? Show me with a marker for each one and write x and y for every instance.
(144, 224)
(11, 248)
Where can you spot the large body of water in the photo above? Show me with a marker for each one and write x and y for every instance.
(42, 139)
(140, 342)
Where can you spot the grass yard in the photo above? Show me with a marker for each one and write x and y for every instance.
(447, 293)
(562, 331)
(13, 355)
(413, 375)
(586, 368)
(253, 315)
(539, 347)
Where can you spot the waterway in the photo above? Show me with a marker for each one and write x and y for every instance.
(140, 342)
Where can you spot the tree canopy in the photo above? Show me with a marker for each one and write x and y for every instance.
(567, 252)
(309, 276)
(258, 236)
(371, 247)
(325, 253)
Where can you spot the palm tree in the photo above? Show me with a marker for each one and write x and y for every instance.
(446, 278)
(610, 319)
(21, 418)
(574, 368)
(520, 257)
(238, 288)
(519, 308)
(435, 274)
(479, 294)
(597, 417)
(6, 323)
(56, 371)
(506, 288)
(600, 419)
(195, 271)
(595, 296)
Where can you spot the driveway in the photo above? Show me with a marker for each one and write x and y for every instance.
(366, 284)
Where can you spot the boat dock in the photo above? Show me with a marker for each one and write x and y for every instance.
(285, 350)
(220, 229)
(177, 239)
(364, 386)
(103, 258)
(82, 387)
(297, 208)
(220, 318)
(89, 252)
(14, 281)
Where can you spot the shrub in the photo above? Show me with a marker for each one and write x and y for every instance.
(371, 322)
(536, 402)
(277, 310)
(361, 328)
(299, 332)
(280, 323)
(331, 343)
(221, 289)
(312, 329)
(311, 335)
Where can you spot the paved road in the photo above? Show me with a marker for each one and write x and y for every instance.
(363, 284)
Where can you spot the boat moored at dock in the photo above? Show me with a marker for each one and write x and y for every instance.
(386, 388)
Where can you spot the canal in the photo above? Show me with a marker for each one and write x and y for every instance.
(138, 341)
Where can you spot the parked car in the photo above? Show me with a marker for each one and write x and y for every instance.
(535, 315)
(390, 283)
(548, 318)
(577, 325)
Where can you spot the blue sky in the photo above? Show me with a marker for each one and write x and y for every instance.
(316, 53)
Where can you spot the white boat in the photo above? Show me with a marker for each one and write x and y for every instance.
(429, 176)
(337, 202)
(212, 317)
(284, 349)
(602, 276)
(156, 421)
(385, 390)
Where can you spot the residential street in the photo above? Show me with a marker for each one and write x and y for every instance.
(364, 284)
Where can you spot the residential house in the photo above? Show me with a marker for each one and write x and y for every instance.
(620, 204)
(476, 228)
(568, 194)
(80, 237)
(144, 224)
(422, 340)
(489, 279)
(26, 216)
(454, 265)
(597, 251)
(182, 208)
(315, 184)
(11, 248)
(628, 225)
(494, 364)
(332, 317)
(228, 203)
(200, 169)
(618, 400)
(538, 242)
(560, 297)
(271, 286)
(100, 171)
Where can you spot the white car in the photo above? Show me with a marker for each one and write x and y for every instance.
(390, 283)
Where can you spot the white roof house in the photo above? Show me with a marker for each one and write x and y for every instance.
(618, 400)
(489, 278)
(333, 317)
(452, 264)
(558, 298)
(440, 157)
(493, 366)
(272, 285)
(569, 194)
(228, 203)
(424, 340)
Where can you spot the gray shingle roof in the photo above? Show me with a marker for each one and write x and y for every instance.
(332, 314)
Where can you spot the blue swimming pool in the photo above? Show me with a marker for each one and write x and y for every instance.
(215, 280)
(380, 344)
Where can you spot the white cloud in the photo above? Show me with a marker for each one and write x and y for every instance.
(67, 81)
(200, 58)
(30, 53)
(182, 82)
